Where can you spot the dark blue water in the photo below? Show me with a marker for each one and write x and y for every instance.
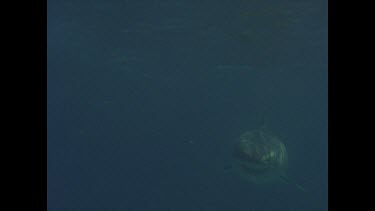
(146, 99)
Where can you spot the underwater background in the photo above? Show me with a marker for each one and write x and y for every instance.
(147, 98)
